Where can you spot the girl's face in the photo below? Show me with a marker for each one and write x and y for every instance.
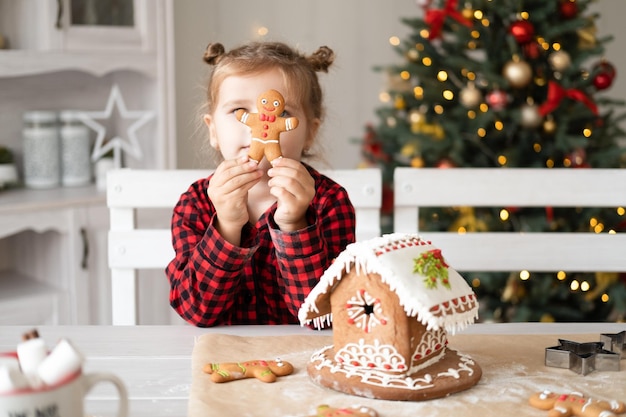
(232, 138)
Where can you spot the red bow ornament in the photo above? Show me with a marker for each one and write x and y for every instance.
(435, 18)
(266, 118)
(556, 93)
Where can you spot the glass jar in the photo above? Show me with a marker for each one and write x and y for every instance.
(41, 149)
(75, 150)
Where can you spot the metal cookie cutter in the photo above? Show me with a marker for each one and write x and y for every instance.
(582, 358)
(615, 342)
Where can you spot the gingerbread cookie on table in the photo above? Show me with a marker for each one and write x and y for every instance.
(355, 411)
(267, 125)
(266, 371)
(575, 404)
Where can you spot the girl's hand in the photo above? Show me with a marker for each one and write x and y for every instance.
(294, 189)
(228, 190)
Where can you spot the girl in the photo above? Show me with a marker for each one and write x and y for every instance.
(252, 240)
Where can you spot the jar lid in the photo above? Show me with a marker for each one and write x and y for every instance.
(38, 116)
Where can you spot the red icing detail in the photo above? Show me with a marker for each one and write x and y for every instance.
(266, 127)
(400, 366)
(350, 321)
(383, 321)
(371, 365)
(417, 357)
(340, 359)
(563, 397)
(446, 304)
(355, 363)
(428, 352)
(264, 134)
(438, 346)
(263, 363)
(387, 367)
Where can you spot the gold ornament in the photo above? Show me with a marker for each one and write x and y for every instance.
(549, 126)
(399, 102)
(518, 73)
(417, 162)
(470, 96)
(603, 281)
(587, 36)
(467, 12)
(467, 220)
(513, 291)
(559, 61)
(409, 150)
(529, 116)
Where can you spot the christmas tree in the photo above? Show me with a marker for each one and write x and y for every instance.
(508, 83)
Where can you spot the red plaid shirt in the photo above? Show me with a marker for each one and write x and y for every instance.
(263, 281)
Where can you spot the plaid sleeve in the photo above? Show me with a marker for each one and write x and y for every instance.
(304, 255)
(205, 272)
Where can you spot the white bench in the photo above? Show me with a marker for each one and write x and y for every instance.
(415, 188)
(132, 248)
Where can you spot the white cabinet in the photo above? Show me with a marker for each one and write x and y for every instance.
(70, 54)
(79, 25)
(51, 262)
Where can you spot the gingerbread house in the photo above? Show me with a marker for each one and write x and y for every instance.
(392, 301)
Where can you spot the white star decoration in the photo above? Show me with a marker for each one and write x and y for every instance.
(116, 143)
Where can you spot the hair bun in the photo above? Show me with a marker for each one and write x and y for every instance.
(321, 59)
(213, 53)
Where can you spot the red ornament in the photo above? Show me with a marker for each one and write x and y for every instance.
(605, 74)
(497, 99)
(522, 30)
(531, 50)
(445, 163)
(568, 9)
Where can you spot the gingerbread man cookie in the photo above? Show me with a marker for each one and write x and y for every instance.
(356, 411)
(266, 371)
(575, 404)
(267, 125)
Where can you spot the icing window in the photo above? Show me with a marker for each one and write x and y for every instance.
(365, 311)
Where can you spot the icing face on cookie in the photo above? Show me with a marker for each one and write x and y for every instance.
(267, 125)
(232, 138)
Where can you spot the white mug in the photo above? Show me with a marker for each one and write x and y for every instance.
(65, 399)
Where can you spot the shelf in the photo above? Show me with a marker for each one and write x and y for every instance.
(19, 63)
(25, 199)
(43, 210)
(26, 301)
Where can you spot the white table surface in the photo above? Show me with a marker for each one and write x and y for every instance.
(155, 361)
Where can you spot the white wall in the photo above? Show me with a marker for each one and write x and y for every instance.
(357, 30)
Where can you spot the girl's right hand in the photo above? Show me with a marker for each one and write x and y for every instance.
(228, 190)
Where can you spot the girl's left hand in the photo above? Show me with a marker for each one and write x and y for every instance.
(294, 189)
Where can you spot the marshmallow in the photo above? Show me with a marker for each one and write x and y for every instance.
(63, 361)
(11, 378)
(31, 353)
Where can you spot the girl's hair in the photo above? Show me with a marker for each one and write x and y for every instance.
(299, 70)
